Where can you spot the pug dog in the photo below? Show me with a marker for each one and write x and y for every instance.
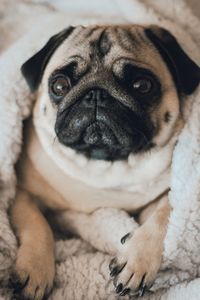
(104, 94)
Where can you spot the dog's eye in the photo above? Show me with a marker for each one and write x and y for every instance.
(142, 85)
(60, 85)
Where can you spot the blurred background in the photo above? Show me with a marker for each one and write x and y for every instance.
(16, 16)
(195, 5)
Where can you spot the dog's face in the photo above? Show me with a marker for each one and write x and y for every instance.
(115, 90)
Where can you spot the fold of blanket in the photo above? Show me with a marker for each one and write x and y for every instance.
(82, 271)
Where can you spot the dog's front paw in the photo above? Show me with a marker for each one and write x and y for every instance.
(135, 268)
(33, 274)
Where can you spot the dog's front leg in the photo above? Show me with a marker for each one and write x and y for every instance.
(103, 228)
(136, 266)
(34, 270)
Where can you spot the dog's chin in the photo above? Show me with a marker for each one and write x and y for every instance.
(104, 153)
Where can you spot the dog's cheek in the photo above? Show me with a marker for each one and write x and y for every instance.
(165, 116)
(44, 110)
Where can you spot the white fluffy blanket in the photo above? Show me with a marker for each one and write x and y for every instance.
(82, 271)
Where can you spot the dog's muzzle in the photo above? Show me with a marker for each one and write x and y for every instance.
(99, 132)
(100, 127)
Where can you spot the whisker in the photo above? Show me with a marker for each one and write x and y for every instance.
(54, 140)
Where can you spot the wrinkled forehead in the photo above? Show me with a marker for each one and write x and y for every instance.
(107, 46)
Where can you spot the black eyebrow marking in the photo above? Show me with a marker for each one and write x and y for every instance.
(118, 37)
(133, 38)
(126, 40)
(104, 43)
(90, 32)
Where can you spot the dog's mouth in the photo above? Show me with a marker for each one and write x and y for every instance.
(103, 129)
(100, 141)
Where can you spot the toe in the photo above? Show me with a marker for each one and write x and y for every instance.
(136, 281)
(124, 277)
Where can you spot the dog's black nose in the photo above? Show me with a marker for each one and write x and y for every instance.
(95, 96)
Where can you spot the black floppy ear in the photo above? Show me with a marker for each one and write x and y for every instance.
(184, 70)
(33, 68)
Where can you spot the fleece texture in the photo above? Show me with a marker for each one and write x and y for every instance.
(81, 270)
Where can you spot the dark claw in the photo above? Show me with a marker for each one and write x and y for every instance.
(125, 237)
(142, 287)
(141, 291)
(48, 291)
(115, 281)
(16, 284)
(119, 288)
(124, 292)
(116, 270)
(112, 263)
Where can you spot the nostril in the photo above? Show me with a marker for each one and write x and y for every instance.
(97, 95)
(104, 94)
(90, 95)
(101, 95)
(89, 99)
